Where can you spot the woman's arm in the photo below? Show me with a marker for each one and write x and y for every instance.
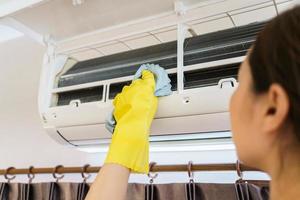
(111, 183)
(135, 108)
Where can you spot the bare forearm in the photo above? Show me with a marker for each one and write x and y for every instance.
(111, 183)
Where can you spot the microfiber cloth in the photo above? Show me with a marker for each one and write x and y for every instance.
(162, 88)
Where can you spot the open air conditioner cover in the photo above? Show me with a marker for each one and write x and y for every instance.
(200, 49)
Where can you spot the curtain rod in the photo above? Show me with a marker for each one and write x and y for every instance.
(155, 168)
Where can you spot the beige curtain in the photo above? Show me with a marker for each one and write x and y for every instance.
(173, 191)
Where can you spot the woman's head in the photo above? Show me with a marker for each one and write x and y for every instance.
(265, 109)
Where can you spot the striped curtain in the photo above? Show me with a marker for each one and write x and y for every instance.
(173, 191)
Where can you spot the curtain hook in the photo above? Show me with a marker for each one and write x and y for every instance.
(153, 175)
(30, 174)
(6, 175)
(54, 173)
(190, 172)
(84, 174)
(239, 170)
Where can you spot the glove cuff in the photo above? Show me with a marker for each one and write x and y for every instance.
(135, 157)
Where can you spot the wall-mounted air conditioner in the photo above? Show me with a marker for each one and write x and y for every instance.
(76, 97)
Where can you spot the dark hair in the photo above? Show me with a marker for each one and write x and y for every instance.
(275, 58)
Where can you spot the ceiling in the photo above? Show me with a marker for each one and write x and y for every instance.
(10, 6)
(63, 20)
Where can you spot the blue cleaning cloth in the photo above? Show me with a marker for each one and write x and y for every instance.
(162, 88)
(162, 85)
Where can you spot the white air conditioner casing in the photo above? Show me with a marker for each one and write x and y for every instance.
(182, 115)
(195, 110)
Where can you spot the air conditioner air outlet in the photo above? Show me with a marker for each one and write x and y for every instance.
(197, 127)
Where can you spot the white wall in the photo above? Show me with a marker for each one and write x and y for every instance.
(22, 139)
(23, 142)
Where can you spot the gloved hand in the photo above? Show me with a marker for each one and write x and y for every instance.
(135, 108)
(163, 87)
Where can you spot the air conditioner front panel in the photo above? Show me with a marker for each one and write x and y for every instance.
(96, 133)
(191, 124)
(196, 101)
(91, 132)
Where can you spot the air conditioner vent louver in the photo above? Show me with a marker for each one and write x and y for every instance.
(115, 88)
(82, 95)
(192, 79)
(209, 76)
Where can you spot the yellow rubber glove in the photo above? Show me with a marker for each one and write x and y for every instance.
(135, 108)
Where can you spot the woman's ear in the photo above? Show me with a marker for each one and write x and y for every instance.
(276, 108)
